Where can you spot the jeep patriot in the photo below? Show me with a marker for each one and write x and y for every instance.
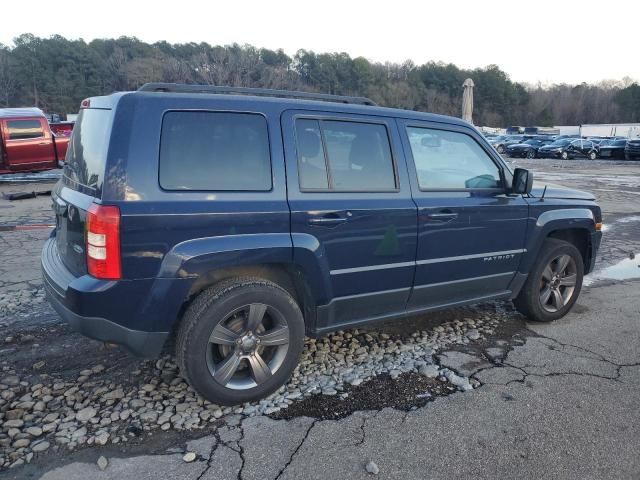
(241, 220)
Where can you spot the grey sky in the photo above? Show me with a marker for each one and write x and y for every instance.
(551, 41)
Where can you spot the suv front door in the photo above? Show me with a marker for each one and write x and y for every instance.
(471, 231)
(352, 215)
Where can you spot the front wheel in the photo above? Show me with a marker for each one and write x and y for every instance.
(554, 283)
(592, 155)
(240, 340)
(564, 155)
(531, 154)
(500, 149)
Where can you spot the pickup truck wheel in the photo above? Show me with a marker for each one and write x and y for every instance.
(554, 283)
(240, 340)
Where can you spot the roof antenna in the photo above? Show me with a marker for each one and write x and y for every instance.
(543, 192)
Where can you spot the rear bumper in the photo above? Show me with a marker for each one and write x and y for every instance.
(138, 314)
(142, 344)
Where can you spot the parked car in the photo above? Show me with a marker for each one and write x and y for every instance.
(569, 148)
(581, 148)
(243, 222)
(612, 149)
(528, 148)
(504, 141)
(27, 143)
(62, 129)
(632, 149)
(554, 149)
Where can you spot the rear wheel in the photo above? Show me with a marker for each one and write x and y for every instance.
(592, 155)
(553, 284)
(564, 155)
(500, 149)
(240, 340)
(531, 154)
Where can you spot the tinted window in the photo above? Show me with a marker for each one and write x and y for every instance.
(620, 143)
(451, 160)
(22, 129)
(344, 156)
(311, 162)
(214, 151)
(87, 153)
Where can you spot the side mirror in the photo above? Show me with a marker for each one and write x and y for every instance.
(522, 181)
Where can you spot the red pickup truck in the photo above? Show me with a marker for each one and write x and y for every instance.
(27, 143)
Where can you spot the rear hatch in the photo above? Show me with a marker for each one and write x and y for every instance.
(81, 185)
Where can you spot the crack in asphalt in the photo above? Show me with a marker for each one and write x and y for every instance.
(293, 454)
(364, 424)
(211, 454)
(241, 450)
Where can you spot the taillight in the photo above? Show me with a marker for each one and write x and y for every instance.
(103, 242)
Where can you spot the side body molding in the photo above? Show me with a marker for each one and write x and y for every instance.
(192, 258)
(564, 214)
(543, 221)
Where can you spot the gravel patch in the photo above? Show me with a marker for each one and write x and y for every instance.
(42, 412)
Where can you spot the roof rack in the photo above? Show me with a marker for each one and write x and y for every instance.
(263, 92)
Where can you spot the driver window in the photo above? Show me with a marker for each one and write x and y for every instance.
(451, 160)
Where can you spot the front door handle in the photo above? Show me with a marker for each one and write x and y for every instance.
(441, 217)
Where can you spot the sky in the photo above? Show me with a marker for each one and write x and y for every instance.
(547, 41)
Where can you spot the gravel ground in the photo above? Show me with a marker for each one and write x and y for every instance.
(60, 392)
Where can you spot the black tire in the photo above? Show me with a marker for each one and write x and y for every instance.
(593, 155)
(531, 154)
(500, 149)
(227, 302)
(529, 301)
(628, 157)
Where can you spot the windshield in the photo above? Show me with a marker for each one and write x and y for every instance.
(560, 143)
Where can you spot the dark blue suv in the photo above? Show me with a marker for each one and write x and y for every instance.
(242, 219)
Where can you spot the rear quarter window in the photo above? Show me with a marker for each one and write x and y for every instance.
(214, 151)
(87, 152)
(24, 129)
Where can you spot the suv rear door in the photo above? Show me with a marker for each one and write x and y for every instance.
(471, 232)
(351, 205)
(81, 185)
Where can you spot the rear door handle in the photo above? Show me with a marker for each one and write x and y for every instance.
(330, 219)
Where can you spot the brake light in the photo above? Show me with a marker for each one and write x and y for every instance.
(103, 242)
(86, 103)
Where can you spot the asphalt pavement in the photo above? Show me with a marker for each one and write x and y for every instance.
(556, 400)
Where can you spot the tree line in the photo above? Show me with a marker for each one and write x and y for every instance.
(55, 74)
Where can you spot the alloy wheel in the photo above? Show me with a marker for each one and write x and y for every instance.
(558, 283)
(248, 346)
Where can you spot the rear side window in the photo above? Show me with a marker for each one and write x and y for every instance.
(215, 151)
(344, 156)
(451, 161)
(24, 129)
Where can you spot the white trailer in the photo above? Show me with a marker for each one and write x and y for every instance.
(627, 130)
